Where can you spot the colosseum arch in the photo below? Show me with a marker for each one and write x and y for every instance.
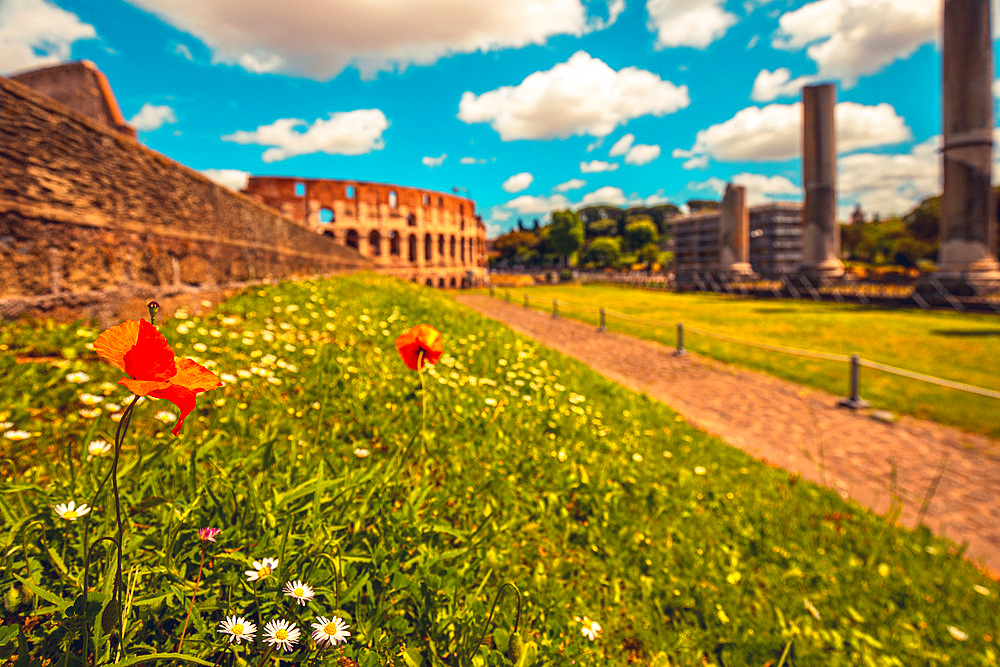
(378, 219)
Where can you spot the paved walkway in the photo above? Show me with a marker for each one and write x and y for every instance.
(798, 428)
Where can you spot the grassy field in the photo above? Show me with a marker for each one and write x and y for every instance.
(955, 346)
(597, 503)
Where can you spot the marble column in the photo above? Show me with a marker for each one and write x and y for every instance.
(734, 231)
(820, 235)
(968, 230)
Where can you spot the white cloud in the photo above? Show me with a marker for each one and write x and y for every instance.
(606, 195)
(622, 145)
(890, 184)
(851, 38)
(319, 38)
(695, 23)
(472, 160)
(344, 133)
(774, 132)
(571, 184)
(779, 83)
(152, 117)
(35, 33)
(760, 188)
(234, 179)
(432, 162)
(527, 204)
(518, 182)
(183, 51)
(582, 96)
(595, 166)
(641, 154)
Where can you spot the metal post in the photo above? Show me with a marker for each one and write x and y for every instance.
(525, 300)
(854, 401)
(555, 308)
(507, 295)
(680, 341)
(604, 326)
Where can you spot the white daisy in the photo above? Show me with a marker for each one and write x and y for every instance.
(302, 592)
(77, 377)
(165, 417)
(99, 447)
(262, 569)
(333, 631)
(91, 413)
(590, 629)
(17, 435)
(361, 452)
(238, 629)
(282, 634)
(5, 425)
(90, 399)
(70, 511)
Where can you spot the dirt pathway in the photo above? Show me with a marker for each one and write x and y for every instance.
(798, 428)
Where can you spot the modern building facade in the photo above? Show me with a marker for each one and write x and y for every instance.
(775, 240)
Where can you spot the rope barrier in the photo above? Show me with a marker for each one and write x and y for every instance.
(826, 356)
(913, 375)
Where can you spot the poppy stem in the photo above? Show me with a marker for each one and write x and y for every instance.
(496, 598)
(197, 581)
(423, 399)
(119, 438)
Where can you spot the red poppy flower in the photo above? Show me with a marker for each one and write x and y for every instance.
(144, 354)
(419, 345)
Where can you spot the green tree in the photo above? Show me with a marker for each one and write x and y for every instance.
(566, 233)
(696, 205)
(641, 231)
(650, 254)
(515, 244)
(605, 227)
(603, 251)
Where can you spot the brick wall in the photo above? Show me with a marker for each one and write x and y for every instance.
(88, 215)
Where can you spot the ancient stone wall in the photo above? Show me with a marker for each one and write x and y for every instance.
(88, 214)
(414, 234)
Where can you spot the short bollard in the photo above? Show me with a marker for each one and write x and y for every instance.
(604, 326)
(854, 401)
(492, 292)
(506, 296)
(555, 308)
(526, 301)
(680, 340)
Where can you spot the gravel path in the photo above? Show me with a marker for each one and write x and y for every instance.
(798, 428)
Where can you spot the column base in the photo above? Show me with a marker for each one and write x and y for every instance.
(742, 268)
(831, 268)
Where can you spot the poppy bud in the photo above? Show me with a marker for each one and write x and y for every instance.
(154, 308)
(515, 647)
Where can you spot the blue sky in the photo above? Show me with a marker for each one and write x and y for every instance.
(526, 105)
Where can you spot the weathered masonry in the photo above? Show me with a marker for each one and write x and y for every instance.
(89, 216)
(420, 235)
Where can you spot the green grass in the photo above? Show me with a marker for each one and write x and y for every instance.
(956, 346)
(593, 500)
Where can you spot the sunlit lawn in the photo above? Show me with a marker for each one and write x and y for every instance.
(596, 502)
(961, 347)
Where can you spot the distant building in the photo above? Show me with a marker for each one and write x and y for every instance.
(775, 239)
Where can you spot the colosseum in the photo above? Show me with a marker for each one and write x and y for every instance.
(413, 234)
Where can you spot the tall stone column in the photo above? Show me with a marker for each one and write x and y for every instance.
(734, 231)
(821, 235)
(968, 230)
